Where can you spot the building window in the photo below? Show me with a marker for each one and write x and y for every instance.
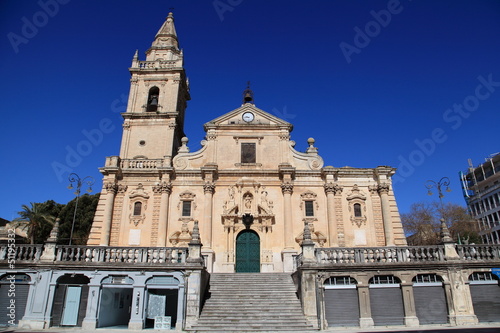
(248, 153)
(427, 278)
(137, 208)
(186, 208)
(340, 281)
(309, 208)
(482, 277)
(384, 279)
(357, 210)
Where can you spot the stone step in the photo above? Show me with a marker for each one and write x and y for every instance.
(246, 327)
(246, 302)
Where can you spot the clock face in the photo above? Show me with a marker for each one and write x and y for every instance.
(248, 116)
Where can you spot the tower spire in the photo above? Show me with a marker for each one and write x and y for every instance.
(165, 41)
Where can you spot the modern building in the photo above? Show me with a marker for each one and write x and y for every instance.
(245, 233)
(481, 188)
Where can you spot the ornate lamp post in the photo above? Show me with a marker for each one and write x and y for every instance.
(78, 182)
(443, 182)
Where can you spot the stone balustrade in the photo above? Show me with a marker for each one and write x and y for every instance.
(141, 163)
(21, 252)
(105, 254)
(97, 254)
(404, 254)
(157, 64)
(368, 255)
(478, 252)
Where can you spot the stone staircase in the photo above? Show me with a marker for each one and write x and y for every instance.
(250, 302)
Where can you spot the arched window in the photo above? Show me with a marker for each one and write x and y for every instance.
(153, 96)
(357, 210)
(137, 208)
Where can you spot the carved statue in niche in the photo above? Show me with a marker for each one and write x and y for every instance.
(247, 198)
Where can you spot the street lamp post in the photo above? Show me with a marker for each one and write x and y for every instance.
(74, 179)
(443, 182)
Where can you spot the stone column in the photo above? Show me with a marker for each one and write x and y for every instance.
(409, 304)
(209, 189)
(365, 311)
(165, 189)
(383, 190)
(288, 252)
(287, 189)
(111, 189)
(331, 189)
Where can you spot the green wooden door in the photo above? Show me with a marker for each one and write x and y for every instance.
(247, 252)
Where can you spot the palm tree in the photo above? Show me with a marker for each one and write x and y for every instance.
(32, 220)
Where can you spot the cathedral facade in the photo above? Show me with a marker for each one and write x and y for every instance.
(249, 189)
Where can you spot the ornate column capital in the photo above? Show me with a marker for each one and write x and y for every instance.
(111, 187)
(163, 187)
(209, 187)
(122, 188)
(287, 187)
(383, 188)
(333, 188)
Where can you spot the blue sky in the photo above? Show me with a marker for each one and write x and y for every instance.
(410, 84)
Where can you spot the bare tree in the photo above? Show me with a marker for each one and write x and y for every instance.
(422, 224)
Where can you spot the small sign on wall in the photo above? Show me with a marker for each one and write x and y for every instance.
(163, 322)
(134, 237)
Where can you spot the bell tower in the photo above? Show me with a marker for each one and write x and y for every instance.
(159, 91)
(136, 184)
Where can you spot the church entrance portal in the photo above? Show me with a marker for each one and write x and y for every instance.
(247, 252)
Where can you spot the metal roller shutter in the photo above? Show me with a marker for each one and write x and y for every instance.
(342, 307)
(21, 300)
(387, 306)
(430, 304)
(486, 302)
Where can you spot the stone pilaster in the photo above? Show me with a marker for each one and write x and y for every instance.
(459, 299)
(383, 190)
(208, 189)
(410, 319)
(365, 311)
(165, 189)
(111, 189)
(331, 189)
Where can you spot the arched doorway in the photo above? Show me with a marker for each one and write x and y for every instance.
(70, 300)
(247, 252)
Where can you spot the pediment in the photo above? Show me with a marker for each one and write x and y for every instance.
(235, 118)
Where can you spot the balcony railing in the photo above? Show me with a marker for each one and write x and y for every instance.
(96, 254)
(21, 252)
(153, 255)
(368, 255)
(158, 64)
(141, 163)
(478, 252)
